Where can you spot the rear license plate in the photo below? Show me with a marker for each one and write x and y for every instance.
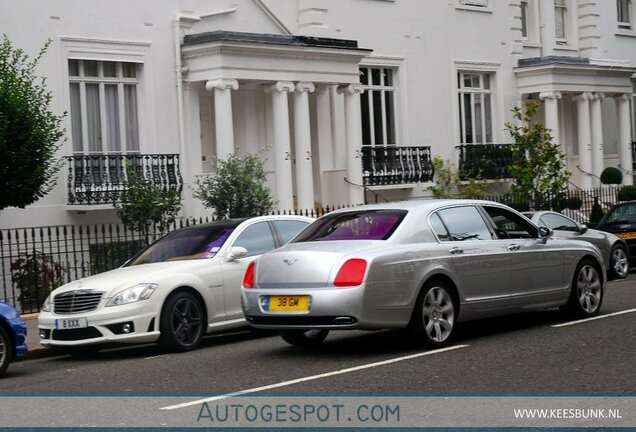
(627, 235)
(286, 303)
(70, 323)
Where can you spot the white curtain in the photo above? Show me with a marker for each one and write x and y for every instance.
(112, 118)
(132, 118)
(93, 118)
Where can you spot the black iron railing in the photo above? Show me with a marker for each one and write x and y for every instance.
(101, 179)
(485, 161)
(633, 155)
(396, 165)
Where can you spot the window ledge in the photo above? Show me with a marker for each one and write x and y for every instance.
(568, 48)
(531, 44)
(484, 9)
(625, 32)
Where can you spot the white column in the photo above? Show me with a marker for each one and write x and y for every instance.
(551, 105)
(353, 128)
(324, 126)
(547, 27)
(585, 138)
(282, 145)
(302, 145)
(598, 158)
(624, 137)
(193, 152)
(223, 119)
(338, 130)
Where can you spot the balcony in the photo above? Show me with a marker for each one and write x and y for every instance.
(396, 165)
(485, 161)
(101, 179)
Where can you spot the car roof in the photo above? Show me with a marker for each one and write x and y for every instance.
(235, 222)
(430, 205)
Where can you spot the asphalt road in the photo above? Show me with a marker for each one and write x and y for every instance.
(522, 353)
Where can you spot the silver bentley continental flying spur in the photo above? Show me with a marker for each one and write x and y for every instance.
(421, 265)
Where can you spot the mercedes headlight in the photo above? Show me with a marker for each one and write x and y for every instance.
(133, 294)
(46, 306)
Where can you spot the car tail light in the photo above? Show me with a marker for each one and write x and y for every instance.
(351, 273)
(248, 278)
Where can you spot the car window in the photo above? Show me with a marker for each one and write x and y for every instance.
(360, 225)
(186, 244)
(437, 226)
(621, 214)
(289, 228)
(509, 224)
(257, 239)
(464, 223)
(558, 222)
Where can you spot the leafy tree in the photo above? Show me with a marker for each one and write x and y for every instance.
(238, 188)
(538, 170)
(145, 206)
(449, 183)
(30, 134)
(35, 275)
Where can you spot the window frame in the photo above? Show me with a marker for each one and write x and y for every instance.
(101, 80)
(561, 10)
(518, 219)
(622, 24)
(369, 90)
(487, 128)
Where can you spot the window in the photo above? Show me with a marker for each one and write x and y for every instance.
(524, 18)
(362, 225)
(475, 107)
(438, 228)
(378, 106)
(257, 239)
(624, 13)
(480, 3)
(104, 113)
(560, 16)
(511, 225)
(287, 229)
(558, 222)
(465, 224)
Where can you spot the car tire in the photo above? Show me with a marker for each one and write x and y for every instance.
(435, 315)
(619, 263)
(83, 352)
(586, 293)
(182, 323)
(304, 337)
(6, 350)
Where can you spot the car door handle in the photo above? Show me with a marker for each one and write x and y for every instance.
(456, 251)
(514, 247)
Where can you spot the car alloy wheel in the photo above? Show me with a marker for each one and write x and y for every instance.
(619, 262)
(6, 350)
(181, 323)
(586, 295)
(304, 337)
(434, 319)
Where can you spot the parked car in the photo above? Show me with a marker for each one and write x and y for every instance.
(614, 249)
(620, 220)
(181, 287)
(13, 332)
(425, 266)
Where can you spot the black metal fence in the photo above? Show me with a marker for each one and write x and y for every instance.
(34, 261)
(101, 179)
(485, 161)
(391, 165)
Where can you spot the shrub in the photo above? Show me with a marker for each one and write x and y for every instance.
(627, 193)
(35, 275)
(238, 189)
(611, 175)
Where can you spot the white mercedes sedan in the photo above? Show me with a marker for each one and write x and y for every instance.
(183, 286)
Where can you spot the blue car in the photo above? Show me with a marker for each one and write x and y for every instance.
(13, 332)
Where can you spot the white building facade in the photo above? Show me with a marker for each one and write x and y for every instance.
(343, 99)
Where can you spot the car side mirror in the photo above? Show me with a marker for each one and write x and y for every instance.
(544, 233)
(236, 252)
(583, 229)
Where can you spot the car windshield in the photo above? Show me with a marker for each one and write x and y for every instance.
(200, 242)
(362, 225)
(621, 214)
